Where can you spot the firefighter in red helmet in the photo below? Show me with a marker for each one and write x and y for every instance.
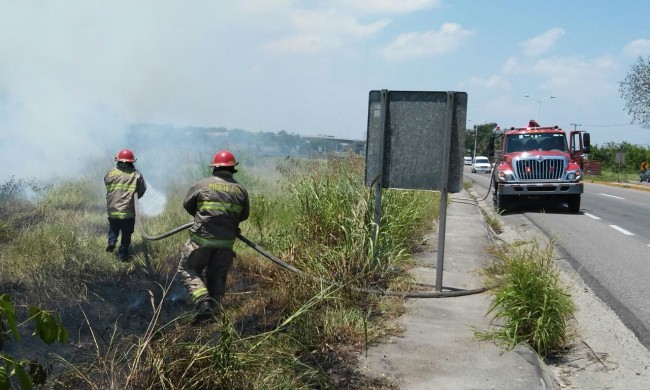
(218, 204)
(123, 183)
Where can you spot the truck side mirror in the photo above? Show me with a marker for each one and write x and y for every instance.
(491, 146)
(586, 140)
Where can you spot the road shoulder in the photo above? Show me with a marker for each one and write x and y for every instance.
(604, 353)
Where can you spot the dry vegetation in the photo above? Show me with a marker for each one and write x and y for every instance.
(128, 324)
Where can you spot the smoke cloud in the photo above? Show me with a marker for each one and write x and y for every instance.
(75, 75)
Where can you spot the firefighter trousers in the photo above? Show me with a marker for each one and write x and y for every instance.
(126, 228)
(204, 271)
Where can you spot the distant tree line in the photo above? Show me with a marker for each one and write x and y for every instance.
(479, 136)
(633, 156)
(262, 143)
(283, 143)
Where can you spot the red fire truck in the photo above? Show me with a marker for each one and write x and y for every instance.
(539, 162)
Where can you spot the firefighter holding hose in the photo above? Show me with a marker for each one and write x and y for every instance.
(123, 183)
(218, 204)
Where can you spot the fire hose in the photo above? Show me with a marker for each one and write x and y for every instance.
(283, 264)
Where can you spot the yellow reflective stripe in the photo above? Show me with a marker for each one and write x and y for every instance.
(199, 293)
(120, 215)
(121, 186)
(209, 205)
(211, 242)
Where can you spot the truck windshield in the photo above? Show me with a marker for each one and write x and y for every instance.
(536, 142)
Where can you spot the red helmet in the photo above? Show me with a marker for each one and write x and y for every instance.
(125, 155)
(224, 158)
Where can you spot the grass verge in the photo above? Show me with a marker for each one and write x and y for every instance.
(530, 305)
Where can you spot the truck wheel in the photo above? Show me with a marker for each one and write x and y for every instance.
(574, 203)
(500, 201)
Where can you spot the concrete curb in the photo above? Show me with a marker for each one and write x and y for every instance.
(547, 379)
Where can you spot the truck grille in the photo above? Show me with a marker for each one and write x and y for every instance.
(539, 169)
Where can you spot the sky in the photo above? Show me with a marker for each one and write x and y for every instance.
(75, 74)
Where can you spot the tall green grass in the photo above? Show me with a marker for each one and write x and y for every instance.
(531, 305)
(333, 222)
(608, 175)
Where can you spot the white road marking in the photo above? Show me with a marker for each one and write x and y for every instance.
(591, 216)
(620, 229)
(612, 196)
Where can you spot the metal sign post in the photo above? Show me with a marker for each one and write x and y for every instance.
(377, 181)
(416, 141)
(444, 195)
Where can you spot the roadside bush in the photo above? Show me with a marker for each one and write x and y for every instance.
(530, 305)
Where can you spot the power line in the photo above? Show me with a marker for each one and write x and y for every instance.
(621, 125)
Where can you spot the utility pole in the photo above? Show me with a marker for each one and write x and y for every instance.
(475, 139)
(575, 125)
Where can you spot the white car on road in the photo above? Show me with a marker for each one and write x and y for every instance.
(481, 165)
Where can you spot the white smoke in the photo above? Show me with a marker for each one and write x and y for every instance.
(74, 77)
(153, 202)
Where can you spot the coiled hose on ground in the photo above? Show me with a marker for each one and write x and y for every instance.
(283, 264)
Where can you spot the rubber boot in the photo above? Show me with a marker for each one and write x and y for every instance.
(123, 254)
(203, 312)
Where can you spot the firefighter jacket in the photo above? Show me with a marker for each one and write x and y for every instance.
(218, 203)
(122, 183)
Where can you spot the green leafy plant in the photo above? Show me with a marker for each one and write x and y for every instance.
(47, 326)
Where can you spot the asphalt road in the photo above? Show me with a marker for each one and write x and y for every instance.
(608, 243)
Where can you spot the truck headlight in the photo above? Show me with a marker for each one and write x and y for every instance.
(574, 176)
(506, 176)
